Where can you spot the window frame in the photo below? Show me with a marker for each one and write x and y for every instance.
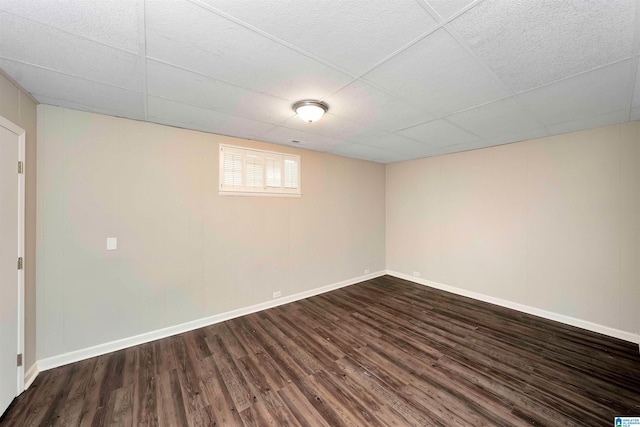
(265, 190)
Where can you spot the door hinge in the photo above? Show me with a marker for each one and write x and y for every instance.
(20, 359)
(20, 167)
(20, 263)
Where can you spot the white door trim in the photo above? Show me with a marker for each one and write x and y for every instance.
(21, 225)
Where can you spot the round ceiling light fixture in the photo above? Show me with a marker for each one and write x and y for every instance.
(310, 110)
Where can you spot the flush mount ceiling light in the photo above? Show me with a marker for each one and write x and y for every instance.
(310, 110)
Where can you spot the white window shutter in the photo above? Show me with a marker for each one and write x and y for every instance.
(274, 171)
(232, 168)
(291, 173)
(254, 165)
(244, 171)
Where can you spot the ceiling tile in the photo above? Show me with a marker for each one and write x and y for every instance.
(597, 92)
(448, 8)
(456, 148)
(32, 43)
(113, 22)
(333, 126)
(405, 157)
(395, 144)
(529, 44)
(210, 65)
(439, 133)
(283, 136)
(100, 109)
(45, 83)
(437, 75)
(166, 81)
(369, 106)
(517, 135)
(351, 35)
(182, 115)
(499, 118)
(219, 48)
(591, 122)
(365, 152)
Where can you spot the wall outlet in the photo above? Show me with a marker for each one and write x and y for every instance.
(277, 294)
(366, 271)
(416, 273)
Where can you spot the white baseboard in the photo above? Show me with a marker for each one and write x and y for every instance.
(100, 349)
(30, 375)
(584, 324)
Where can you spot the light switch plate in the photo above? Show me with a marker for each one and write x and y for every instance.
(112, 243)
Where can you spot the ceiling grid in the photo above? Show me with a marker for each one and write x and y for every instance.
(403, 79)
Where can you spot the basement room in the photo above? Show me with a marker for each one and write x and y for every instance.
(319, 213)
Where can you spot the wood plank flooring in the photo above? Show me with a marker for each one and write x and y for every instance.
(381, 353)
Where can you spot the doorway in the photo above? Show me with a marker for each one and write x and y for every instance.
(12, 140)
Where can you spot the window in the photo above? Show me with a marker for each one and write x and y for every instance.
(251, 172)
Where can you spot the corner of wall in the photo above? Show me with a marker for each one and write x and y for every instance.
(30, 375)
(568, 320)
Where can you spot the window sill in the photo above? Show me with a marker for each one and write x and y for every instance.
(246, 193)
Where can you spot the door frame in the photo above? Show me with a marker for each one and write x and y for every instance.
(20, 133)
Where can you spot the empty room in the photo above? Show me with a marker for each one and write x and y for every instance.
(319, 213)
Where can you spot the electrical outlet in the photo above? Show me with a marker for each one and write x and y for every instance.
(277, 294)
(416, 273)
(366, 271)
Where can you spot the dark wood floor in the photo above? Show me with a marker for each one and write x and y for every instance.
(383, 352)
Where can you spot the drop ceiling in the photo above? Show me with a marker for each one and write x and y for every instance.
(403, 79)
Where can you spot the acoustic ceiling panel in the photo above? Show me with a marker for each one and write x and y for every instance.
(175, 113)
(193, 38)
(74, 92)
(607, 89)
(449, 75)
(438, 75)
(532, 43)
(373, 107)
(439, 133)
(497, 118)
(333, 126)
(287, 136)
(349, 34)
(166, 81)
(398, 144)
(448, 8)
(116, 23)
(53, 49)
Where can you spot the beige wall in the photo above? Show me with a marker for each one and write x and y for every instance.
(552, 223)
(18, 107)
(184, 252)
